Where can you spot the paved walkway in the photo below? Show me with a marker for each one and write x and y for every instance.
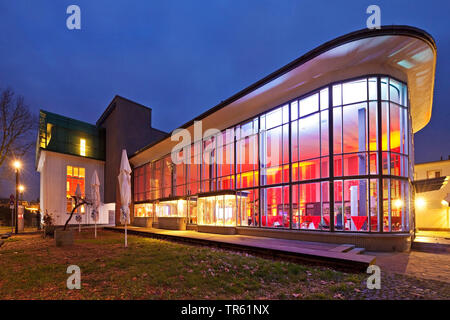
(440, 237)
(425, 265)
(315, 252)
(428, 259)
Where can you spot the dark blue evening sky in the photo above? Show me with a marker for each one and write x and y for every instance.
(183, 57)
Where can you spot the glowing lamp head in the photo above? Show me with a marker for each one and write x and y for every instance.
(420, 203)
(21, 188)
(398, 203)
(17, 164)
(444, 203)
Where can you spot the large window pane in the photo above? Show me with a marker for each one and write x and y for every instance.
(309, 137)
(373, 198)
(294, 141)
(324, 138)
(274, 147)
(399, 204)
(309, 105)
(337, 130)
(397, 92)
(373, 89)
(324, 99)
(355, 91)
(76, 178)
(275, 206)
(307, 213)
(337, 95)
(217, 210)
(355, 128)
(338, 205)
(356, 205)
(248, 205)
(373, 126)
(355, 164)
(385, 125)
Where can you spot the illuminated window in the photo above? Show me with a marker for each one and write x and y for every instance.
(75, 176)
(284, 174)
(83, 147)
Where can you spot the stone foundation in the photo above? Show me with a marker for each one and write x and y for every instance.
(370, 241)
(172, 223)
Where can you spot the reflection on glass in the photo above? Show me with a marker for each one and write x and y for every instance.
(309, 105)
(294, 139)
(355, 91)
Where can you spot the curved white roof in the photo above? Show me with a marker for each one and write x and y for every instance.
(406, 53)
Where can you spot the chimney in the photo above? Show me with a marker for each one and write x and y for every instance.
(441, 158)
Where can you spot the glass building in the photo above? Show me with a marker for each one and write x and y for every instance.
(322, 146)
(334, 159)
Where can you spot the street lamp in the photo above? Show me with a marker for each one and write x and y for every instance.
(17, 165)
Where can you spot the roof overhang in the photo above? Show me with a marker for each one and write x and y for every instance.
(406, 53)
(434, 184)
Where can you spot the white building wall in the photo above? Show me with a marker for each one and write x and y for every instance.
(52, 167)
(432, 214)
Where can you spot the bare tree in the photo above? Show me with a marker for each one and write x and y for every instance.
(17, 124)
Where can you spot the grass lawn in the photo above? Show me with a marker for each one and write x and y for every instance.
(34, 268)
(4, 229)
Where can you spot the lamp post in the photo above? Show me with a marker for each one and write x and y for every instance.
(21, 190)
(17, 165)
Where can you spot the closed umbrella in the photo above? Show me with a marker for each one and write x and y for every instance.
(95, 189)
(78, 215)
(125, 190)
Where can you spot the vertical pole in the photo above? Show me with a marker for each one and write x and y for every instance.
(95, 228)
(331, 156)
(17, 202)
(126, 244)
(380, 156)
(12, 220)
(291, 207)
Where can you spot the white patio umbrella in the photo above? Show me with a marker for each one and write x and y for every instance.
(95, 190)
(78, 215)
(125, 191)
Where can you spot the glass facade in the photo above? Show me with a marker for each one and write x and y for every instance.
(335, 159)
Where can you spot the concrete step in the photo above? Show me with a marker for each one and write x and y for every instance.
(357, 250)
(430, 247)
(343, 248)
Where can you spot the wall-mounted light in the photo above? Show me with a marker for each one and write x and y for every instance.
(444, 203)
(420, 203)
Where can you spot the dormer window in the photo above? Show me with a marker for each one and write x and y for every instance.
(83, 147)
